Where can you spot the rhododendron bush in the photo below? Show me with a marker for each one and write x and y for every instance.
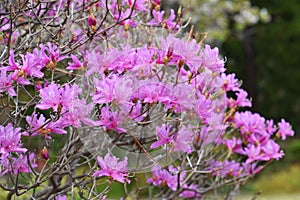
(96, 92)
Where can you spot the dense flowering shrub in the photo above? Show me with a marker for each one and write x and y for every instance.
(123, 90)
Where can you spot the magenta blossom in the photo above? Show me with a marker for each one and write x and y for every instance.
(125, 19)
(248, 122)
(152, 92)
(203, 108)
(49, 55)
(51, 97)
(183, 140)
(78, 113)
(162, 177)
(40, 126)
(58, 98)
(163, 134)
(111, 167)
(253, 152)
(270, 127)
(182, 95)
(113, 89)
(61, 197)
(285, 129)
(251, 169)
(69, 95)
(111, 120)
(75, 65)
(6, 82)
(225, 168)
(271, 150)
(211, 61)
(19, 164)
(241, 100)
(234, 145)
(20, 72)
(190, 191)
(230, 83)
(178, 52)
(160, 21)
(139, 5)
(10, 140)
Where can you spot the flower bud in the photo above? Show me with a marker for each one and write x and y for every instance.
(45, 153)
(91, 20)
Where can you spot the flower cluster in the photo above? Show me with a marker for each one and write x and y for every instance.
(112, 168)
(164, 100)
(10, 145)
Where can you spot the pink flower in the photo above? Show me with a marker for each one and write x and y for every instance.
(270, 128)
(160, 21)
(104, 89)
(51, 97)
(248, 122)
(152, 92)
(78, 113)
(111, 167)
(111, 120)
(138, 4)
(49, 55)
(183, 140)
(98, 63)
(10, 140)
(253, 152)
(176, 51)
(29, 66)
(285, 129)
(258, 139)
(113, 89)
(75, 65)
(234, 144)
(19, 164)
(241, 100)
(225, 168)
(189, 53)
(271, 150)
(230, 83)
(40, 126)
(190, 191)
(211, 61)
(163, 136)
(162, 177)
(251, 169)
(134, 112)
(6, 82)
(182, 96)
(203, 108)
(57, 98)
(69, 96)
(20, 72)
(127, 22)
(61, 197)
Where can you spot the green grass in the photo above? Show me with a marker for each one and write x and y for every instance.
(284, 182)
